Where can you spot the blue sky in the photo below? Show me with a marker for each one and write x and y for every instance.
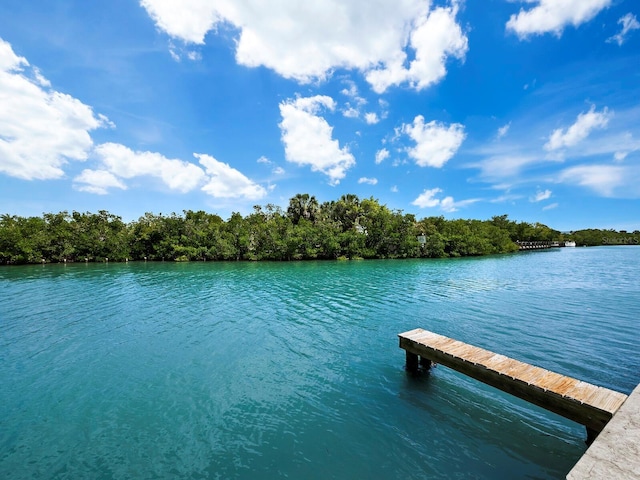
(462, 109)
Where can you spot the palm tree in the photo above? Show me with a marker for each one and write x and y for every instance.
(303, 206)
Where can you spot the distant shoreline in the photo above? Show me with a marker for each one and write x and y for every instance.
(348, 228)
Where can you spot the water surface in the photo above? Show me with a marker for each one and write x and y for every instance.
(275, 370)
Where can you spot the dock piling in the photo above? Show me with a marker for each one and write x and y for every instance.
(412, 362)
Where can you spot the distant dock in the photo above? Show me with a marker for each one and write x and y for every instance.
(543, 245)
(582, 402)
(538, 245)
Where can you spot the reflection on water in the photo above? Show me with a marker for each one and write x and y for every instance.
(225, 370)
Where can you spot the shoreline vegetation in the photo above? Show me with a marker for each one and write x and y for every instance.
(348, 228)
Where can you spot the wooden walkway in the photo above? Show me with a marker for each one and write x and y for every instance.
(587, 404)
(537, 245)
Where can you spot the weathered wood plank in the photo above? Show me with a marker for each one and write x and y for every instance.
(579, 401)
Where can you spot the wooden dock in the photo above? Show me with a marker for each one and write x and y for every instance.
(587, 404)
(538, 245)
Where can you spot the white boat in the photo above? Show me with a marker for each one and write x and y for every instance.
(569, 243)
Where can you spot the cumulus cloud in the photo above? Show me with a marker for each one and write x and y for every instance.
(188, 20)
(226, 182)
(436, 143)
(629, 23)
(97, 181)
(583, 126)
(40, 129)
(307, 137)
(382, 155)
(125, 163)
(351, 112)
(540, 196)
(375, 37)
(118, 163)
(371, 118)
(369, 181)
(552, 16)
(427, 199)
(435, 37)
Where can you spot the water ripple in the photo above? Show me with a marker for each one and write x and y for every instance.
(224, 370)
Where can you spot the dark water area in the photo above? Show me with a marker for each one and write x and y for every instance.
(292, 370)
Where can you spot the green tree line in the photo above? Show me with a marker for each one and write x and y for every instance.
(349, 227)
(594, 237)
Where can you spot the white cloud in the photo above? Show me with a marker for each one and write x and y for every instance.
(369, 181)
(448, 204)
(552, 16)
(194, 56)
(382, 155)
(603, 179)
(620, 156)
(629, 23)
(394, 189)
(371, 118)
(188, 20)
(352, 93)
(178, 52)
(119, 162)
(350, 112)
(502, 131)
(435, 37)
(435, 143)
(501, 168)
(307, 138)
(507, 197)
(384, 109)
(227, 182)
(97, 181)
(427, 199)
(39, 78)
(264, 159)
(125, 163)
(278, 171)
(9, 61)
(584, 124)
(540, 196)
(308, 44)
(40, 129)
(551, 206)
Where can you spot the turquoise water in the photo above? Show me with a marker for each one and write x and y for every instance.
(292, 370)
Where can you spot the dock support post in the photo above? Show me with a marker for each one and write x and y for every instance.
(412, 362)
(425, 363)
